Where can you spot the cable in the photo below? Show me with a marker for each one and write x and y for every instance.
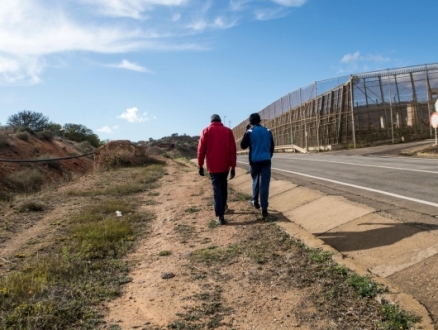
(42, 160)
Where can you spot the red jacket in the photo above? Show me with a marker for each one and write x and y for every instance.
(217, 145)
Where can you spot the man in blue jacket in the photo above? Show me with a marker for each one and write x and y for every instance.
(261, 148)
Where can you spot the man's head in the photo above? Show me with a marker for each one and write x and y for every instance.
(254, 119)
(216, 118)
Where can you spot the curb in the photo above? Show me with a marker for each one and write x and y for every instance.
(314, 205)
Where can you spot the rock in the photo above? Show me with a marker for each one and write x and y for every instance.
(167, 275)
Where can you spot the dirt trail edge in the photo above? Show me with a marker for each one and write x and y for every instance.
(189, 273)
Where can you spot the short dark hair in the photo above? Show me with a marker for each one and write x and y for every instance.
(254, 119)
(215, 118)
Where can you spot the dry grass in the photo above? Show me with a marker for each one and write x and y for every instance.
(65, 287)
(27, 181)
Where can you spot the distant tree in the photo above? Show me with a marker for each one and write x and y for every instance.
(81, 133)
(29, 119)
(55, 128)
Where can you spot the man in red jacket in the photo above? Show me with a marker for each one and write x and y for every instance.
(218, 147)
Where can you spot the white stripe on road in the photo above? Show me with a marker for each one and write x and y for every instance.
(357, 187)
(355, 164)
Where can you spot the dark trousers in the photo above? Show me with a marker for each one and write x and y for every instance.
(220, 192)
(261, 177)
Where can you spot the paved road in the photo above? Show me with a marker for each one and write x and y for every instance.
(375, 173)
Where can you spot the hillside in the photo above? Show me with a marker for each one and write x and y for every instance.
(16, 177)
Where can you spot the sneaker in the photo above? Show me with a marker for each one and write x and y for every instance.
(265, 214)
(255, 204)
(220, 220)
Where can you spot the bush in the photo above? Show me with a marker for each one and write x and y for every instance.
(116, 161)
(55, 164)
(30, 119)
(85, 147)
(4, 140)
(45, 135)
(23, 136)
(31, 206)
(28, 180)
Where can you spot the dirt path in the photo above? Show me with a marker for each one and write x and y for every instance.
(150, 301)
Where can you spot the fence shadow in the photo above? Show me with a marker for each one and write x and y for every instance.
(348, 241)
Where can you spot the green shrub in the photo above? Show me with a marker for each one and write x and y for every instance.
(365, 286)
(45, 135)
(116, 161)
(23, 136)
(29, 180)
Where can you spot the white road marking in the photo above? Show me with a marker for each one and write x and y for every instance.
(357, 187)
(355, 164)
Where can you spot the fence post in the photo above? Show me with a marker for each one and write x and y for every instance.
(390, 109)
(429, 99)
(304, 118)
(352, 112)
(317, 114)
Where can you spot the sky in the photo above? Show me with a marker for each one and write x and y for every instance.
(141, 69)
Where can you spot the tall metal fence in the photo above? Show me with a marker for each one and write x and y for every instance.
(363, 109)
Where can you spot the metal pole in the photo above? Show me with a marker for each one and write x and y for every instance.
(384, 104)
(305, 126)
(390, 109)
(352, 112)
(414, 94)
(429, 101)
(290, 121)
(436, 140)
(317, 114)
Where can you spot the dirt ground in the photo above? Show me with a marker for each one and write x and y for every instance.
(189, 273)
(150, 301)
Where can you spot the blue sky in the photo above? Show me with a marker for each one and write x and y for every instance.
(136, 69)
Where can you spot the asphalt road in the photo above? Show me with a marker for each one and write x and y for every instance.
(376, 174)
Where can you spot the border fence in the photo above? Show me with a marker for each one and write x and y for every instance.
(383, 106)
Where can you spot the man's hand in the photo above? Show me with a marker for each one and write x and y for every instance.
(201, 171)
(232, 173)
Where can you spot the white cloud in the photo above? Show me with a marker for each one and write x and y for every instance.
(355, 57)
(130, 8)
(108, 130)
(132, 117)
(268, 14)
(36, 34)
(350, 57)
(290, 3)
(355, 62)
(20, 70)
(176, 17)
(217, 23)
(125, 64)
(31, 31)
(105, 129)
(237, 5)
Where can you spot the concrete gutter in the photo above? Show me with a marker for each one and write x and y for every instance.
(360, 238)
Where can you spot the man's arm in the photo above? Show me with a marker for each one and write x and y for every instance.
(245, 140)
(272, 144)
(202, 148)
(233, 151)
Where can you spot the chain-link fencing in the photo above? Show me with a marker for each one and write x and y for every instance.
(363, 109)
